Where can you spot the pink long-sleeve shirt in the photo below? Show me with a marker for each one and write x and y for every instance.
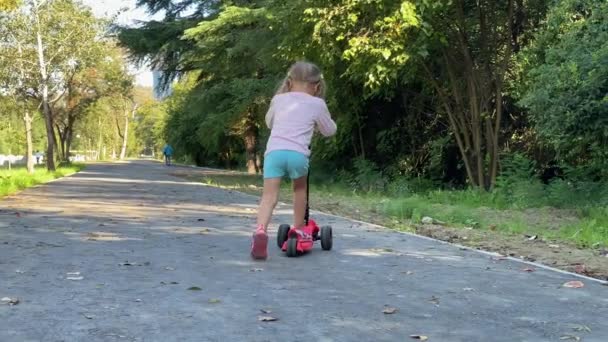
(292, 118)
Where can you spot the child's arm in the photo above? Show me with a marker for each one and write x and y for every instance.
(270, 115)
(327, 127)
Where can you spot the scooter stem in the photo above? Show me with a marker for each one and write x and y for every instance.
(307, 213)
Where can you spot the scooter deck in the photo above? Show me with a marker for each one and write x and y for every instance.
(306, 237)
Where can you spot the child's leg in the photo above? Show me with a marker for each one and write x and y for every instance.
(270, 197)
(299, 201)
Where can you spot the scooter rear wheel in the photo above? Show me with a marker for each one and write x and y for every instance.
(282, 234)
(326, 238)
(292, 247)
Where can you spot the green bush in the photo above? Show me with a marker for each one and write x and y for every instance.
(366, 177)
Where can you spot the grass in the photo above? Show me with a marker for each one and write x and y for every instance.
(585, 226)
(18, 179)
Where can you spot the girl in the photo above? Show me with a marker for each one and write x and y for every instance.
(295, 111)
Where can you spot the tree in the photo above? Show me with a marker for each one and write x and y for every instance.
(66, 64)
(412, 83)
(101, 74)
(230, 95)
(149, 122)
(56, 36)
(463, 48)
(567, 82)
(19, 85)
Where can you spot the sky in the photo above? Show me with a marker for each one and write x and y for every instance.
(108, 8)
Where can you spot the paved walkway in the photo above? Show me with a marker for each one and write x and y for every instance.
(125, 252)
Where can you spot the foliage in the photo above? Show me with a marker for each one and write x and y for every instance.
(7, 5)
(150, 128)
(567, 83)
(425, 92)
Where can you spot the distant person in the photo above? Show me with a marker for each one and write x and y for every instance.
(295, 111)
(38, 157)
(167, 152)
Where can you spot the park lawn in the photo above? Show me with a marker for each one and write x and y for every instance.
(586, 228)
(18, 179)
(564, 238)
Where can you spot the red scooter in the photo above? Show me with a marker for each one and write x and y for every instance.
(299, 241)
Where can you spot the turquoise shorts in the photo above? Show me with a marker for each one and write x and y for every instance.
(281, 163)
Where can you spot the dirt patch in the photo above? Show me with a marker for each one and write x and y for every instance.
(558, 254)
(530, 248)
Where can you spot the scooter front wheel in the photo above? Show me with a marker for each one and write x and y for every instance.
(326, 238)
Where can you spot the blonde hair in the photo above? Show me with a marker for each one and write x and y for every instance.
(304, 72)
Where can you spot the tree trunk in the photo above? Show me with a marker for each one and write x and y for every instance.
(99, 140)
(250, 151)
(62, 138)
(258, 162)
(28, 138)
(360, 130)
(27, 119)
(68, 142)
(251, 143)
(511, 43)
(46, 109)
(125, 138)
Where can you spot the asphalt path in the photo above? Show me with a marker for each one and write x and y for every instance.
(126, 252)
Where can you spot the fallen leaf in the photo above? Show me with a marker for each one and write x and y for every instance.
(214, 301)
(389, 310)
(420, 337)
(580, 269)
(582, 328)
(267, 319)
(529, 258)
(126, 263)
(74, 278)
(9, 301)
(574, 284)
(528, 269)
(499, 258)
(195, 288)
